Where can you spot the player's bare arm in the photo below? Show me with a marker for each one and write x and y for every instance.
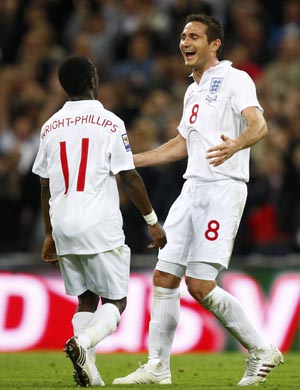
(48, 249)
(134, 188)
(255, 131)
(171, 151)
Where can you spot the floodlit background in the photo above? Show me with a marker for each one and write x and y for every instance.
(143, 79)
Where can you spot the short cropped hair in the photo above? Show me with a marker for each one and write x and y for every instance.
(75, 74)
(214, 27)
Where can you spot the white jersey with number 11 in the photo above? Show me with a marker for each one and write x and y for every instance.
(82, 147)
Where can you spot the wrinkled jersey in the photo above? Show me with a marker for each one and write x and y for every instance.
(82, 147)
(211, 108)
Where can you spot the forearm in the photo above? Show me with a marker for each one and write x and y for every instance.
(171, 151)
(253, 133)
(45, 197)
(256, 130)
(135, 190)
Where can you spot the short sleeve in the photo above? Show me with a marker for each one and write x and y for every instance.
(243, 92)
(40, 163)
(181, 127)
(121, 155)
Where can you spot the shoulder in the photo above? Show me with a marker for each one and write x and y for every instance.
(47, 126)
(240, 81)
(116, 124)
(113, 116)
(54, 122)
(238, 75)
(191, 87)
(52, 118)
(189, 91)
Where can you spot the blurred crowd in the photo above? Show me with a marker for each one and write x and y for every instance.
(143, 79)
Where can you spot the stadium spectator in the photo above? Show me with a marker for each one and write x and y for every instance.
(246, 22)
(289, 202)
(19, 203)
(89, 26)
(137, 69)
(240, 57)
(36, 34)
(283, 74)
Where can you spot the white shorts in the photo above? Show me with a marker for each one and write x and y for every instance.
(203, 221)
(204, 271)
(105, 274)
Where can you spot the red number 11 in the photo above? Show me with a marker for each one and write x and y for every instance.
(82, 166)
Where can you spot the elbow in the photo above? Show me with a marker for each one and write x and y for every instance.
(129, 179)
(265, 130)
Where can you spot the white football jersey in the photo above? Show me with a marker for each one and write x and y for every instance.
(82, 147)
(211, 108)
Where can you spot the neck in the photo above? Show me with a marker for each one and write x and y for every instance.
(198, 73)
(83, 97)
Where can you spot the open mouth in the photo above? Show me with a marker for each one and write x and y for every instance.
(189, 54)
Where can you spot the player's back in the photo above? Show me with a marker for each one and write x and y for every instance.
(79, 142)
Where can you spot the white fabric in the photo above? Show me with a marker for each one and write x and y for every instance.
(203, 221)
(231, 314)
(105, 274)
(104, 322)
(197, 270)
(213, 107)
(203, 271)
(151, 219)
(171, 268)
(84, 208)
(80, 321)
(165, 314)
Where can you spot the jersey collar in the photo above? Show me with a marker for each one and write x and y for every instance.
(89, 103)
(221, 65)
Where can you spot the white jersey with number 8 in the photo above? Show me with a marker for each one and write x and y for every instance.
(211, 108)
(82, 147)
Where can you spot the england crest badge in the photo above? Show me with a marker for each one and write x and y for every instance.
(215, 85)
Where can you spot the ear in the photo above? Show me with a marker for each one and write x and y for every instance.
(216, 44)
(93, 82)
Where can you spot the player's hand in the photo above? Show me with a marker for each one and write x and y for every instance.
(49, 251)
(220, 153)
(158, 235)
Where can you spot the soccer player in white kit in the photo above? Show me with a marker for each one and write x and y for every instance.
(83, 147)
(221, 119)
